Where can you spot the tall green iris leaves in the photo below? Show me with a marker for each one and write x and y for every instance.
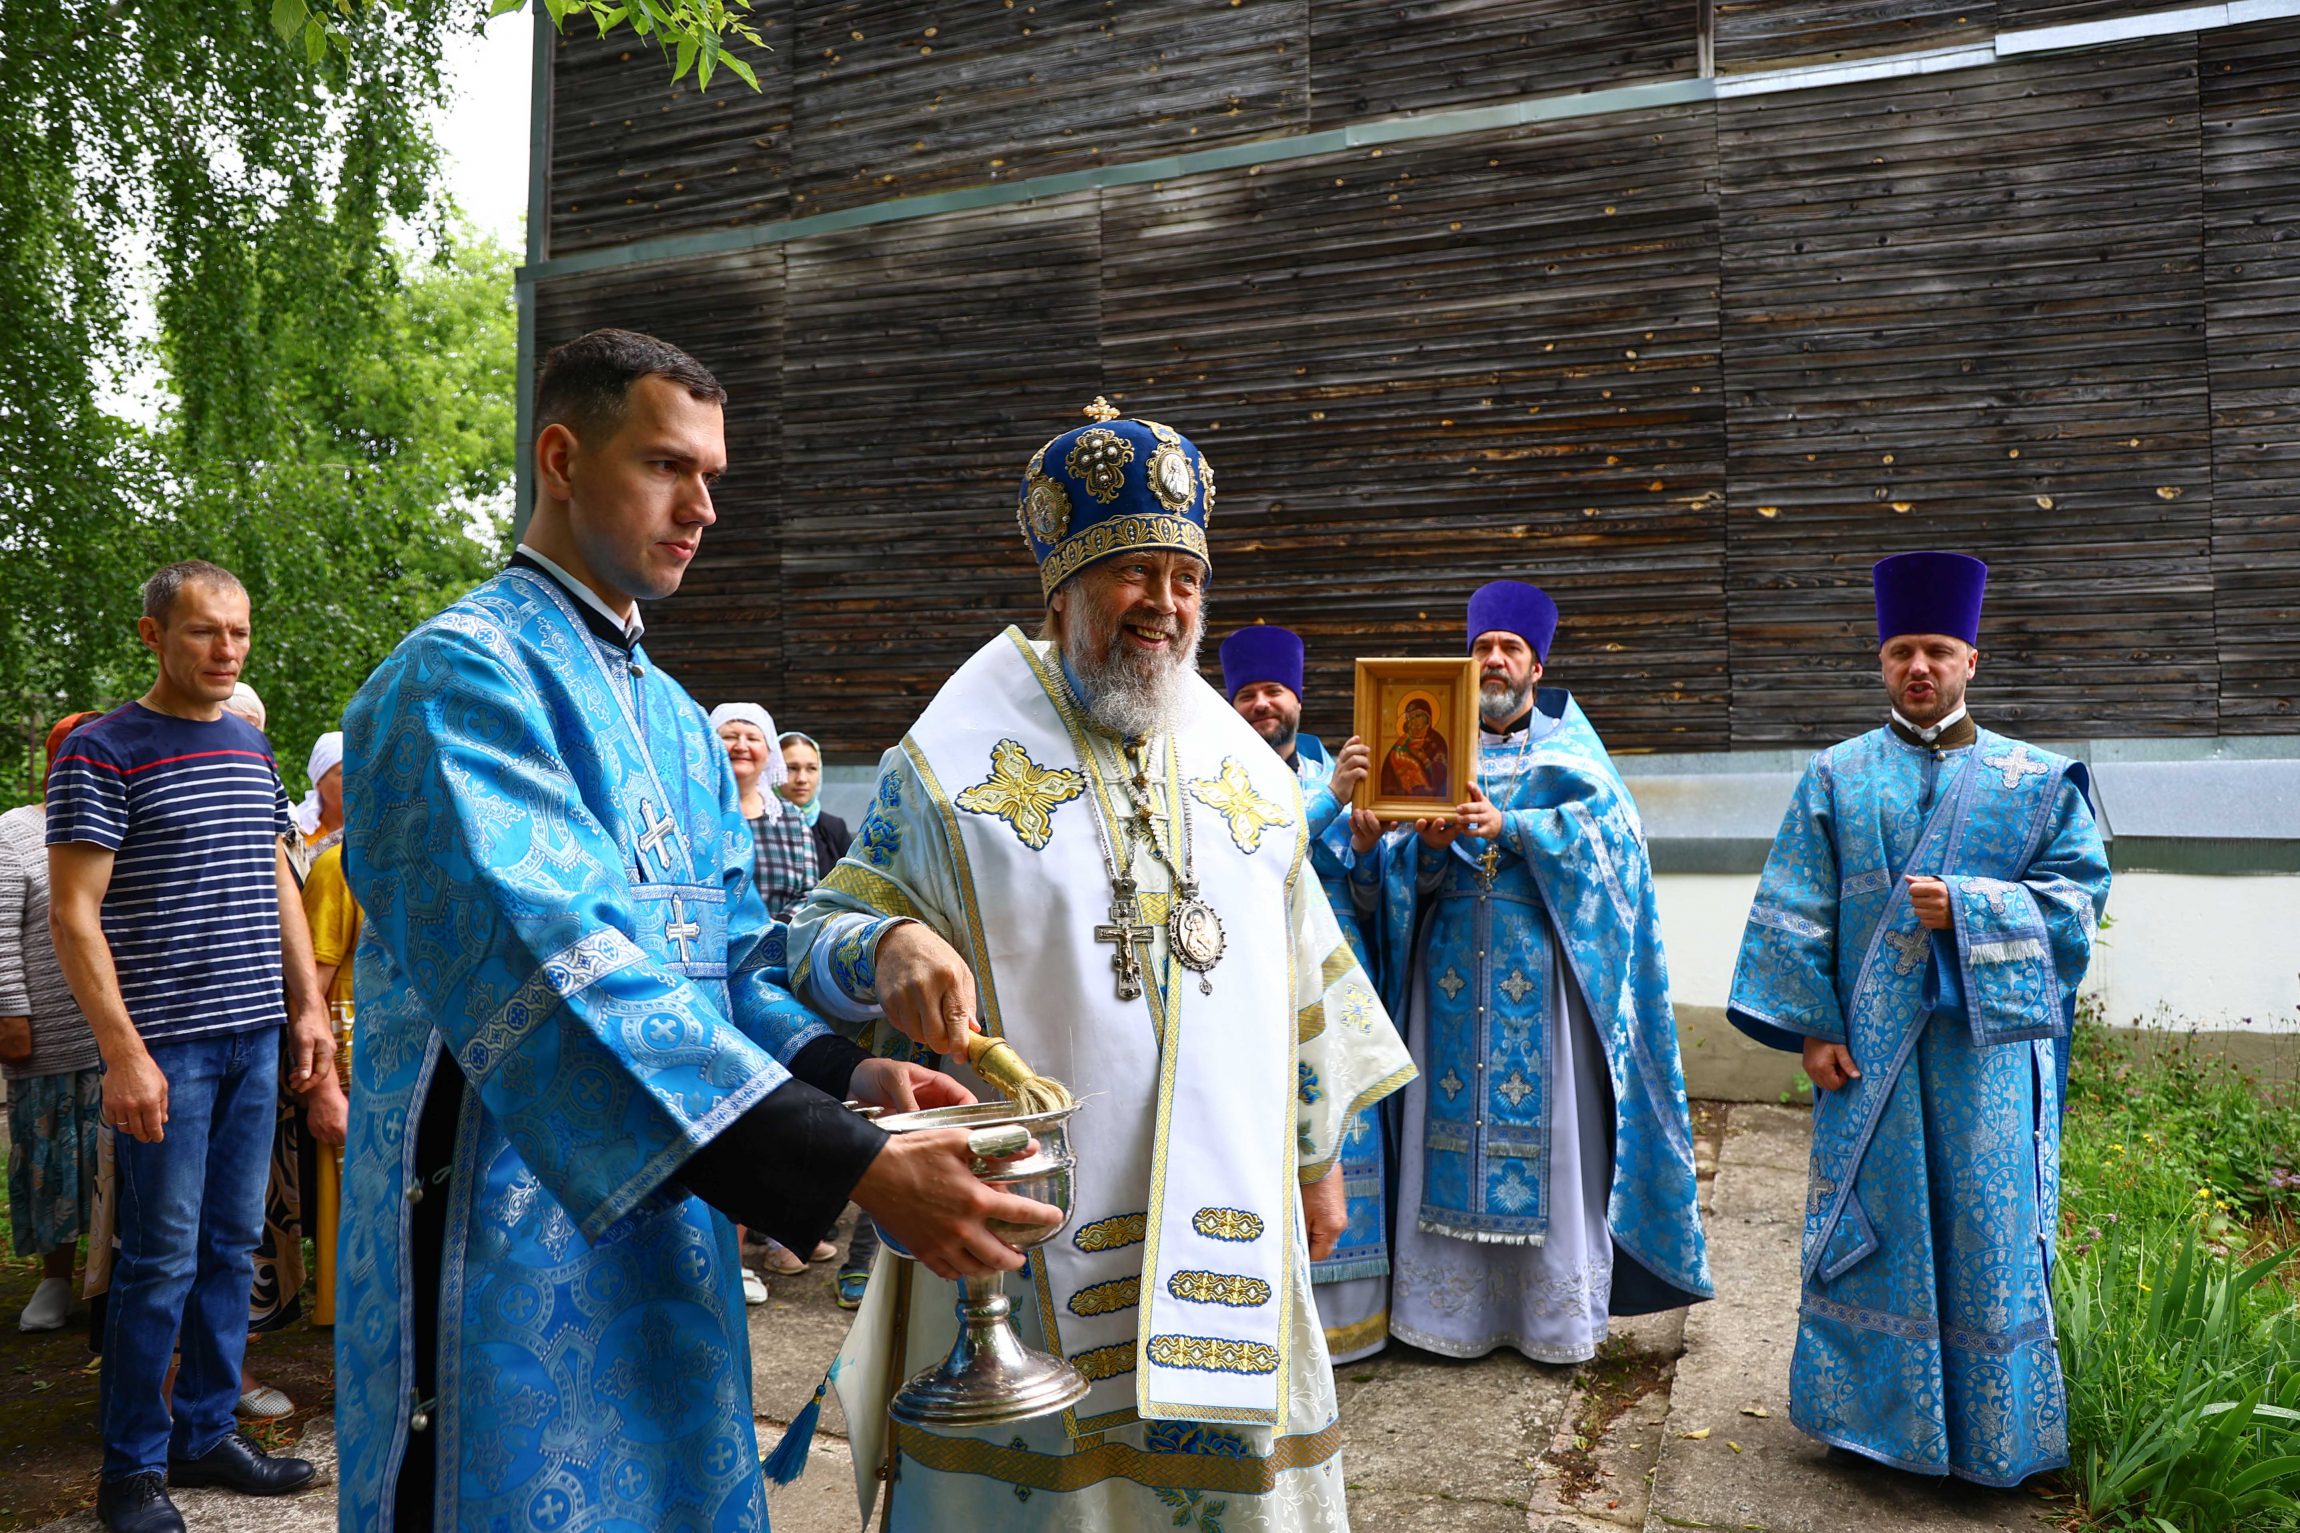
(240, 324)
(2179, 1339)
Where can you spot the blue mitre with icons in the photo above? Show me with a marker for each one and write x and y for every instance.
(1113, 487)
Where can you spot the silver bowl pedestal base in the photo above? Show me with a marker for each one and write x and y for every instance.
(990, 1378)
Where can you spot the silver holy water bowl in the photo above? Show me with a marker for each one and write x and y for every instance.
(990, 1377)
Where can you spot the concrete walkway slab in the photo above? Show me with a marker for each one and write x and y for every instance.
(1752, 1470)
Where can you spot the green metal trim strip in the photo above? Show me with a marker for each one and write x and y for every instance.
(1394, 130)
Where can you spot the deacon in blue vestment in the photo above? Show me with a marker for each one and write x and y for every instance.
(1546, 1160)
(1919, 934)
(1262, 676)
(576, 1057)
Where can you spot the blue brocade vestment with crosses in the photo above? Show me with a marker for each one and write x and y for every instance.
(1571, 860)
(1925, 1335)
(1363, 1250)
(545, 837)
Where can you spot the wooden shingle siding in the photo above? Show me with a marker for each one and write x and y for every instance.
(1416, 372)
(1786, 34)
(925, 362)
(1377, 58)
(1968, 312)
(633, 157)
(1693, 368)
(722, 635)
(1000, 92)
(2251, 97)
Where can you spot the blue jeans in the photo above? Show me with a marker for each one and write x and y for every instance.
(191, 1209)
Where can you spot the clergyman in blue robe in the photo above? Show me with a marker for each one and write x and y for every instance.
(1262, 670)
(1545, 1163)
(576, 1059)
(1922, 925)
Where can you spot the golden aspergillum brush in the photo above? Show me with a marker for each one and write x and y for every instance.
(996, 1062)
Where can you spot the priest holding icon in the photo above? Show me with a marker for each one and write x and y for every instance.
(1546, 1164)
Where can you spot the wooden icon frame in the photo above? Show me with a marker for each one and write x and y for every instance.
(1384, 685)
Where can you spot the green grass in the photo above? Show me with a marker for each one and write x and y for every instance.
(2180, 1210)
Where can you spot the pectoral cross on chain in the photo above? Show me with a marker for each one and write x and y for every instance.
(1488, 861)
(1126, 928)
(681, 930)
(651, 844)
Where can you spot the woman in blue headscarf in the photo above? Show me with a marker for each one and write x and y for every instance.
(802, 787)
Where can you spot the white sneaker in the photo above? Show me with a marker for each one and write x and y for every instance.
(51, 1302)
(754, 1288)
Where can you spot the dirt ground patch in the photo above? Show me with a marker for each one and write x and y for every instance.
(49, 1448)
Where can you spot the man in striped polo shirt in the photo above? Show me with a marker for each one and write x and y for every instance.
(178, 926)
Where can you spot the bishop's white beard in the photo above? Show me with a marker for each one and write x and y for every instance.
(1134, 696)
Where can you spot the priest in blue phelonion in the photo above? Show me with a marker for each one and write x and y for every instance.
(1919, 934)
(1262, 676)
(576, 1062)
(1546, 1161)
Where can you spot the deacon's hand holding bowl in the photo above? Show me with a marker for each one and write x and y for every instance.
(926, 989)
(897, 1085)
(923, 1192)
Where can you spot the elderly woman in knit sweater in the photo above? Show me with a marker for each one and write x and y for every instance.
(55, 1075)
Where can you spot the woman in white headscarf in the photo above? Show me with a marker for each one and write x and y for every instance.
(319, 815)
(787, 865)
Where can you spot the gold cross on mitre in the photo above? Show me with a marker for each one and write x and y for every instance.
(1101, 410)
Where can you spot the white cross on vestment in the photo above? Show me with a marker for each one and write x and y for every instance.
(1912, 946)
(651, 844)
(681, 930)
(2017, 765)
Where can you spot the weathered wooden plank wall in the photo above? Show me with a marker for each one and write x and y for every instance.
(2251, 116)
(635, 158)
(896, 97)
(1374, 58)
(723, 637)
(1415, 370)
(1783, 34)
(1969, 311)
(921, 375)
(1693, 368)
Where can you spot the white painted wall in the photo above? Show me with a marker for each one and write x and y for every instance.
(2182, 950)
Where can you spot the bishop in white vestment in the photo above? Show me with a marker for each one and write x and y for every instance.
(1115, 867)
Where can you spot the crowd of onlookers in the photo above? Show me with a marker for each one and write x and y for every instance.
(174, 937)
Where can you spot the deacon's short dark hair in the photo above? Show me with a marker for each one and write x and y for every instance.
(585, 384)
(160, 591)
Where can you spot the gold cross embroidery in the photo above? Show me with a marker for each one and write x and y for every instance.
(1231, 794)
(1022, 793)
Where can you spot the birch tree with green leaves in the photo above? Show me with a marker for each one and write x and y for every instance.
(243, 324)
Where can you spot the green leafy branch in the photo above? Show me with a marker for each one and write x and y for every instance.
(698, 34)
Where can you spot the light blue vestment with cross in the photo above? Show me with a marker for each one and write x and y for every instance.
(545, 837)
(1482, 950)
(1352, 1300)
(1925, 1337)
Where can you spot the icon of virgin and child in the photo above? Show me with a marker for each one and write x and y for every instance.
(1416, 765)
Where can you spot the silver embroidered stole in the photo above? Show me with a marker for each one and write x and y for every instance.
(1170, 1289)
